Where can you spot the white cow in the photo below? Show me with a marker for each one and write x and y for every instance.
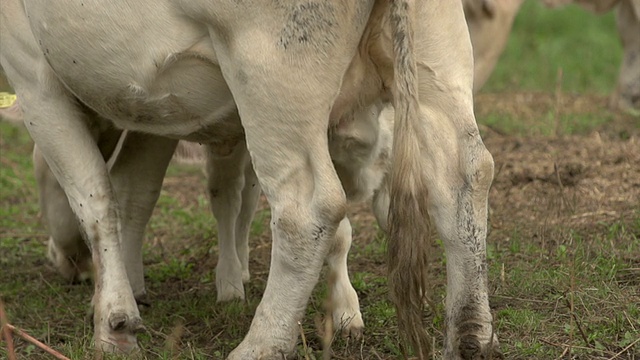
(627, 92)
(360, 150)
(490, 23)
(280, 74)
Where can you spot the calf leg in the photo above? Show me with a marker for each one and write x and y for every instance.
(250, 196)
(226, 184)
(137, 175)
(344, 299)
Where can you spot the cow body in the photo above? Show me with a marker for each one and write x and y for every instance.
(489, 24)
(277, 75)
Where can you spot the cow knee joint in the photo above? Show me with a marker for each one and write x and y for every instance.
(479, 164)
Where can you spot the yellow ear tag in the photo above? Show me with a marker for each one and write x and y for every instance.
(6, 99)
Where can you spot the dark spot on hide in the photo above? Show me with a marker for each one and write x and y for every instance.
(309, 23)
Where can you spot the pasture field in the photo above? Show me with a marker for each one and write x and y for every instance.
(563, 252)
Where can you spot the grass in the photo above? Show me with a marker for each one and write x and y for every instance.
(585, 46)
(552, 297)
(563, 259)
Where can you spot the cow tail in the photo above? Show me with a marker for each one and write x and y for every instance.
(409, 226)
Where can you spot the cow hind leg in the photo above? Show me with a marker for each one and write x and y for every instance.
(343, 301)
(440, 170)
(460, 215)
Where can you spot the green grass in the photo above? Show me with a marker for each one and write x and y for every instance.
(576, 288)
(563, 287)
(585, 46)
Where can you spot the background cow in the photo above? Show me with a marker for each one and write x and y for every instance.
(490, 23)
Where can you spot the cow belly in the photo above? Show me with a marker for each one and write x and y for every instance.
(187, 96)
(147, 68)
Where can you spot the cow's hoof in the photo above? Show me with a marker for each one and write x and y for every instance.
(229, 281)
(629, 103)
(471, 349)
(248, 353)
(143, 301)
(229, 292)
(75, 268)
(349, 323)
(118, 333)
(246, 276)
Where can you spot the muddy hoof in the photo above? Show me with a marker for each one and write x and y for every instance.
(143, 301)
(471, 349)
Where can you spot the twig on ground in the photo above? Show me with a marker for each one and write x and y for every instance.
(172, 342)
(521, 299)
(563, 354)
(36, 342)
(304, 342)
(558, 105)
(561, 185)
(572, 280)
(625, 349)
(6, 332)
(629, 320)
(566, 350)
(578, 324)
(376, 354)
(563, 345)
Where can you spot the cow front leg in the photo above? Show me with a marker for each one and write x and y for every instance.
(66, 248)
(287, 140)
(137, 174)
(62, 134)
(225, 181)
